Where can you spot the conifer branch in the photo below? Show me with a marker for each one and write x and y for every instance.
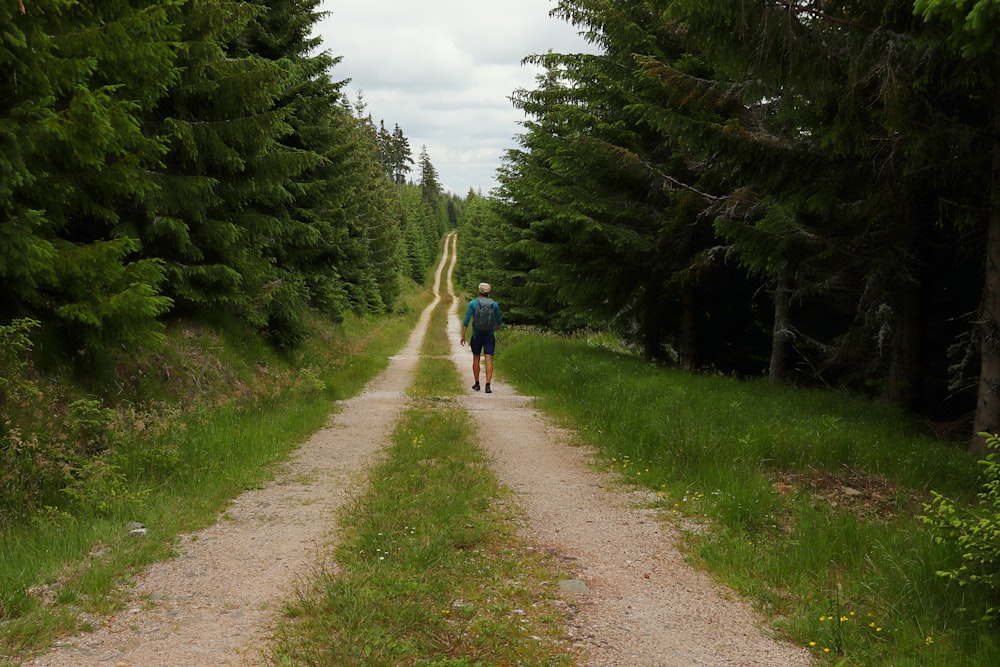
(668, 179)
(793, 7)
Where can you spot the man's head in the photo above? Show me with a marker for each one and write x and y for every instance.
(484, 289)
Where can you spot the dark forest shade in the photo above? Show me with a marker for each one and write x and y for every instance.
(795, 190)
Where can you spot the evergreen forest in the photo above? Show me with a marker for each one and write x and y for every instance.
(194, 158)
(170, 168)
(808, 191)
(201, 235)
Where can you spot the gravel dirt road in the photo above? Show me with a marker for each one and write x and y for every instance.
(219, 601)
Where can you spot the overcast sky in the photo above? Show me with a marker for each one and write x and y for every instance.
(443, 70)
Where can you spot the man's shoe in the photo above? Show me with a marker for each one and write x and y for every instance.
(476, 387)
(488, 390)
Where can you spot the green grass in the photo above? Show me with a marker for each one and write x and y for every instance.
(430, 570)
(807, 503)
(811, 498)
(175, 469)
(438, 376)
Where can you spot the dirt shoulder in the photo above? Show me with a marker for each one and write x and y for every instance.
(219, 601)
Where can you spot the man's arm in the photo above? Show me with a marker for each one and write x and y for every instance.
(465, 322)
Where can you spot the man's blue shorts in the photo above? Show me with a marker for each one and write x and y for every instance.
(483, 344)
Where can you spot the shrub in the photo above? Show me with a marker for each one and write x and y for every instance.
(15, 347)
(975, 531)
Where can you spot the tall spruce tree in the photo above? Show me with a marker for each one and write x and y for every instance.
(969, 30)
(310, 236)
(398, 156)
(78, 79)
(430, 186)
(375, 208)
(226, 174)
(193, 152)
(420, 233)
(801, 185)
(870, 95)
(477, 258)
(827, 142)
(617, 234)
(433, 195)
(281, 35)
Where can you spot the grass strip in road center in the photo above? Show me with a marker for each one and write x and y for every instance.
(430, 568)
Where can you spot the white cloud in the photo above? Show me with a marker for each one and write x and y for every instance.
(444, 70)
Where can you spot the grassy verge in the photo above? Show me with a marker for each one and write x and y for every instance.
(809, 500)
(430, 569)
(437, 376)
(173, 467)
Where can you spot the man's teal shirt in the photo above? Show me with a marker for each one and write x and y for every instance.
(471, 310)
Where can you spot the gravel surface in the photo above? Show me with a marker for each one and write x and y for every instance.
(646, 605)
(220, 600)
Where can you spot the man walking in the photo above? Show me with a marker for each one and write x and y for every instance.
(484, 313)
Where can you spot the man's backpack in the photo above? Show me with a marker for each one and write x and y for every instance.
(484, 319)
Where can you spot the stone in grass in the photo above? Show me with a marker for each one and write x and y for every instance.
(135, 529)
(574, 586)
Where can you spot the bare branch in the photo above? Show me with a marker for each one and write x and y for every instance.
(794, 7)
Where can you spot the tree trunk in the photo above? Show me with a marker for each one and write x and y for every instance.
(902, 385)
(988, 402)
(781, 335)
(652, 326)
(689, 329)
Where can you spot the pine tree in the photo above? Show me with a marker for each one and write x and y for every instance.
(79, 80)
(420, 233)
(384, 140)
(185, 151)
(865, 171)
(367, 212)
(399, 157)
(376, 208)
(612, 219)
(226, 174)
(430, 187)
(481, 249)
(970, 30)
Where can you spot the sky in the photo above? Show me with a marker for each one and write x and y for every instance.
(444, 70)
